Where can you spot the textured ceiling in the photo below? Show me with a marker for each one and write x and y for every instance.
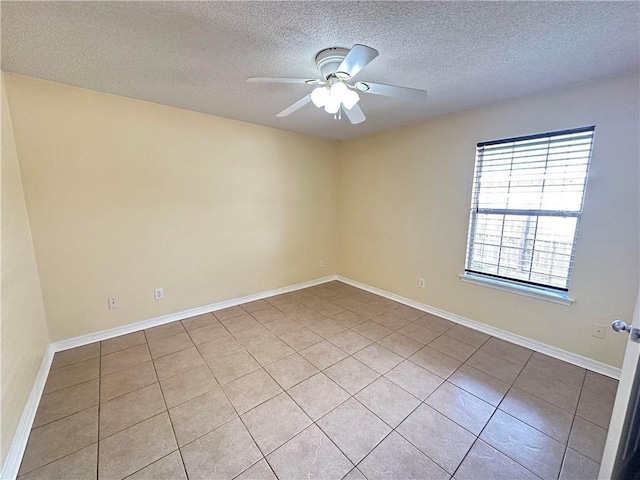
(196, 55)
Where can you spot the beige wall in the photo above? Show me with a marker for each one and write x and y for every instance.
(404, 200)
(125, 196)
(23, 331)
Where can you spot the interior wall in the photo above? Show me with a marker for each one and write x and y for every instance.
(23, 330)
(404, 199)
(125, 196)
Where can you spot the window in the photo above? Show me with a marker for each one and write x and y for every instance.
(526, 207)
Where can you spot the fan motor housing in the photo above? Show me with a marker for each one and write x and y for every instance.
(329, 59)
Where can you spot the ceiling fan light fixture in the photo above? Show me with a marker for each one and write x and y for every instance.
(362, 87)
(343, 75)
(319, 96)
(350, 98)
(332, 105)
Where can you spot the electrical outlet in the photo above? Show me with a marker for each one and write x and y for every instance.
(421, 282)
(112, 302)
(321, 263)
(598, 330)
(158, 293)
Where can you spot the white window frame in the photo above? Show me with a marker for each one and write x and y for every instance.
(514, 285)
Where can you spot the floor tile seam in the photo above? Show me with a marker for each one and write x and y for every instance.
(251, 466)
(161, 337)
(430, 371)
(161, 458)
(455, 421)
(442, 353)
(166, 410)
(121, 349)
(52, 369)
(478, 347)
(205, 433)
(505, 358)
(573, 421)
(67, 388)
(65, 416)
(135, 390)
(175, 351)
(350, 354)
(60, 458)
(491, 374)
(126, 348)
(568, 385)
(537, 395)
(466, 391)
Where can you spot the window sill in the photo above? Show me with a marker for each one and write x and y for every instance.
(555, 297)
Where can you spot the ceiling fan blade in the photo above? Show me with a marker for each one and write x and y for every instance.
(358, 57)
(402, 93)
(296, 106)
(355, 114)
(308, 81)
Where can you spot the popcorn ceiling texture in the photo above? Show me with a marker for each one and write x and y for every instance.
(196, 55)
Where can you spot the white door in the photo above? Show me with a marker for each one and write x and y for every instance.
(621, 457)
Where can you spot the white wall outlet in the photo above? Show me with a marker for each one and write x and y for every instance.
(158, 293)
(112, 302)
(598, 330)
(321, 263)
(421, 282)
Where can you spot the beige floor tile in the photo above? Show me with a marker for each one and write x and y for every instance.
(560, 394)
(453, 348)
(274, 422)
(496, 366)
(378, 358)
(465, 409)
(45, 446)
(467, 335)
(326, 328)
(124, 359)
(350, 341)
(179, 362)
(251, 390)
(136, 447)
(270, 351)
(233, 366)
(354, 429)
(354, 474)
(255, 305)
(533, 450)
(309, 455)
(408, 313)
(200, 415)
(62, 403)
(595, 409)
(77, 465)
(368, 311)
(72, 375)
(253, 336)
(318, 395)
(507, 350)
(391, 320)
(122, 342)
(348, 319)
(435, 361)
(578, 467)
(291, 370)
(198, 321)
(372, 330)
(441, 439)
(388, 401)
(542, 415)
(398, 459)
(558, 370)
(482, 385)
(219, 348)
(484, 461)
(208, 333)
(329, 309)
(419, 333)
(180, 388)
(307, 317)
(351, 374)
(436, 324)
(400, 345)
(167, 468)
(289, 306)
(227, 313)
(166, 330)
(283, 325)
(414, 379)
(240, 323)
(600, 386)
(266, 315)
(258, 471)
(588, 439)
(221, 454)
(160, 347)
(301, 339)
(323, 354)
(128, 380)
(132, 408)
(75, 355)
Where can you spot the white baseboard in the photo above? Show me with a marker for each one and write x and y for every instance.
(172, 317)
(555, 352)
(19, 443)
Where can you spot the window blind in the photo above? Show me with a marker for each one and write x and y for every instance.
(526, 207)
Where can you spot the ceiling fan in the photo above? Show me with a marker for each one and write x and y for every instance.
(334, 92)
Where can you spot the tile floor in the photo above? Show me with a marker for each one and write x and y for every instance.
(326, 382)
